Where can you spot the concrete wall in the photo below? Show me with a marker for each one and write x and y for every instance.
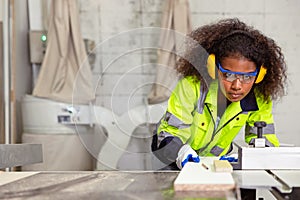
(107, 23)
(1, 8)
(102, 20)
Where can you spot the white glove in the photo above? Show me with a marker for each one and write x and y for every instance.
(186, 154)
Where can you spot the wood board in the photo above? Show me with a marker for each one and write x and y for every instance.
(222, 166)
(195, 177)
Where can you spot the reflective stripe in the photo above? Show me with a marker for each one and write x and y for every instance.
(268, 143)
(269, 129)
(172, 120)
(162, 135)
(200, 103)
(251, 142)
(216, 150)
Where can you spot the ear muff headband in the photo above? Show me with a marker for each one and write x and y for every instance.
(211, 69)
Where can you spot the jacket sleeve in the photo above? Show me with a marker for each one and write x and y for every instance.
(263, 114)
(173, 129)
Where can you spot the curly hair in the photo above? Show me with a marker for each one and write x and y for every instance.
(233, 38)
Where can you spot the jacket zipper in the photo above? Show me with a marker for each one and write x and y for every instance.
(215, 132)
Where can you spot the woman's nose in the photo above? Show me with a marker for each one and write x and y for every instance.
(236, 84)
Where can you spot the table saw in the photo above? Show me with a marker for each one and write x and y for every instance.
(253, 184)
(254, 180)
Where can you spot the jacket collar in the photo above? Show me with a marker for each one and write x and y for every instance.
(249, 103)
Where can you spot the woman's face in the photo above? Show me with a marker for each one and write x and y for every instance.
(236, 87)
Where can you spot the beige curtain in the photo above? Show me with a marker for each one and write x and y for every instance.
(65, 74)
(176, 16)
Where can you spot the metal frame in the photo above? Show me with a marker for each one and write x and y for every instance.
(250, 157)
(12, 155)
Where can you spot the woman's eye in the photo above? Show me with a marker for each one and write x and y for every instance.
(228, 75)
(247, 77)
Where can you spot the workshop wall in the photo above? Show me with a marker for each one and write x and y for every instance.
(118, 68)
(119, 79)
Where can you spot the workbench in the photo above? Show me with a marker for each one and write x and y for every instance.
(124, 185)
(250, 183)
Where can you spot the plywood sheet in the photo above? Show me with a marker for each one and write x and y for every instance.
(195, 177)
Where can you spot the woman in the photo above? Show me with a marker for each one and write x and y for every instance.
(220, 92)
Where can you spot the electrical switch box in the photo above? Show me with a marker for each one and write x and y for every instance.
(37, 45)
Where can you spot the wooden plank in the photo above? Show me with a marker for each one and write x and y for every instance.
(222, 166)
(195, 177)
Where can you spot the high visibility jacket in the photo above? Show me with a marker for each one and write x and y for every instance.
(192, 116)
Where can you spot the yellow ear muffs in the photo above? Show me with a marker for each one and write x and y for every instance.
(211, 66)
(261, 74)
(211, 69)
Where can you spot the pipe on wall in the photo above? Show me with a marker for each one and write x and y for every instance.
(6, 69)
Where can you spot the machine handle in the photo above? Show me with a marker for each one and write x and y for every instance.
(260, 125)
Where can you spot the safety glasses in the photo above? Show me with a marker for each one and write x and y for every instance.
(231, 76)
